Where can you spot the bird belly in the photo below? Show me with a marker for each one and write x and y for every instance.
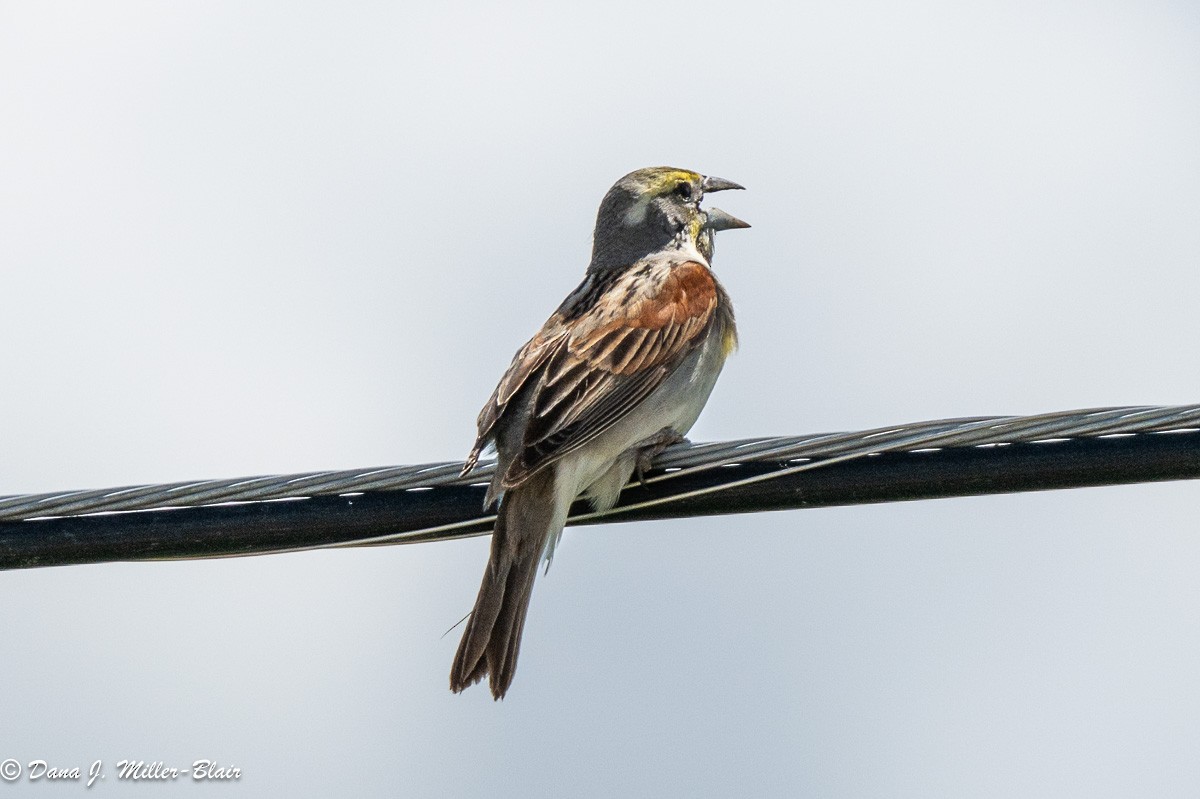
(676, 404)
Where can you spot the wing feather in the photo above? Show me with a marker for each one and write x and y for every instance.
(616, 354)
(587, 368)
(528, 360)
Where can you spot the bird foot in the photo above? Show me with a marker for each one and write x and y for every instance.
(651, 448)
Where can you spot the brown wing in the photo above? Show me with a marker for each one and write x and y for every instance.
(611, 358)
(528, 360)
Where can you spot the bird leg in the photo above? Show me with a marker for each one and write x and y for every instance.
(650, 449)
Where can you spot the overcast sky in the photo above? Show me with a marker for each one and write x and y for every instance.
(246, 239)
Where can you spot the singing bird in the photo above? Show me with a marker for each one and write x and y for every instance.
(618, 373)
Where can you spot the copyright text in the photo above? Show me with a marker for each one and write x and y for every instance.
(12, 770)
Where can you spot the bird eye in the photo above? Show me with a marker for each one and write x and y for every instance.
(684, 190)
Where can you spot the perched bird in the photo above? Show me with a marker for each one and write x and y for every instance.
(618, 373)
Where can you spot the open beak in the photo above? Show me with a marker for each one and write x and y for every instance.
(720, 220)
(719, 184)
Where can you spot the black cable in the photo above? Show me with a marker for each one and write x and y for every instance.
(453, 511)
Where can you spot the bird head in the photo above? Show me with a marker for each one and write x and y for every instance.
(649, 210)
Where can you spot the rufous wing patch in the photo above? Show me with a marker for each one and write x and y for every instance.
(639, 330)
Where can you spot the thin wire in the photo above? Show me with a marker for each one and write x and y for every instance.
(1032, 428)
(802, 452)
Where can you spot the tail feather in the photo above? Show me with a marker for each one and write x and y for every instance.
(506, 635)
(529, 515)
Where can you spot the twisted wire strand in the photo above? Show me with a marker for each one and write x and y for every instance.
(814, 452)
(793, 453)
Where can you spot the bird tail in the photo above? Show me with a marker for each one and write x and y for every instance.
(529, 516)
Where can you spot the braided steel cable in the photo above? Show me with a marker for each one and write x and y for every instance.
(791, 453)
(411, 504)
(803, 453)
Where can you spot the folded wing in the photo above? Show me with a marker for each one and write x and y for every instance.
(581, 379)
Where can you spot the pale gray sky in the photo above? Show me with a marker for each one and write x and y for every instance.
(275, 238)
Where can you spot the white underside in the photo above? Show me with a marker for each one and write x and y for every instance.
(603, 466)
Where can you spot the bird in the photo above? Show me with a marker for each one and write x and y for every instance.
(619, 372)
